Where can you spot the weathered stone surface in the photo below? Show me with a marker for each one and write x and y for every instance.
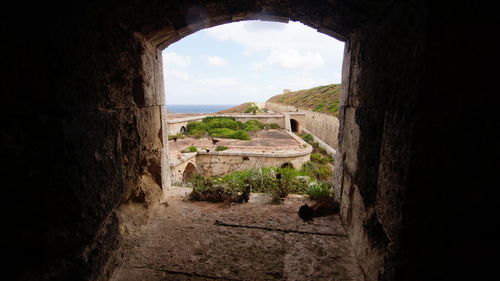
(324, 126)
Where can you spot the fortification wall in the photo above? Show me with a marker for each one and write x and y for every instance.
(323, 126)
(174, 125)
(277, 119)
(218, 164)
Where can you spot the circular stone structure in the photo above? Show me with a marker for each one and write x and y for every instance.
(267, 148)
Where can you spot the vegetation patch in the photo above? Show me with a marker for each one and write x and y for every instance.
(323, 156)
(176, 136)
(320, 191)
(190, 149)
(220, 148)
(209, 189)
(253, 108)
(278, 182)
(225, 127)
(324, 99)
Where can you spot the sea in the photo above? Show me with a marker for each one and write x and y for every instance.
(197, 108)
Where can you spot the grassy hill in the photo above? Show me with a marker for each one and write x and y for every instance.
(323, 99)
(237, 109)
(242, 108)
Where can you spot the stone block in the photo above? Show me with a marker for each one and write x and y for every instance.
(149, 127)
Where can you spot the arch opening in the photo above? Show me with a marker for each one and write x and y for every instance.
(114, 101)
(189, 172)
(294, 125)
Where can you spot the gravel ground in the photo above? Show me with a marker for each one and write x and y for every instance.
(253, 241)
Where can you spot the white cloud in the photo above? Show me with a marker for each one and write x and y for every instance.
(291, 59)
(287, 56)
(215, 60)
(173, 59)
(277, 36)
(177, 74)
(219, 81)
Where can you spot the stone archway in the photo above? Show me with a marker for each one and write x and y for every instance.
(156, 28)
(295, 126)
(189, 172)
(107, 139)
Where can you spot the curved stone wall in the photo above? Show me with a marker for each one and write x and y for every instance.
(324, 126)
(219, 163)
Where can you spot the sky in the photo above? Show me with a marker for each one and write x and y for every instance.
(249, 61)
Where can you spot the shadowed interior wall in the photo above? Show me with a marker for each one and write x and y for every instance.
(82, 128)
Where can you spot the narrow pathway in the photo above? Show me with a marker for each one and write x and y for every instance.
(253, 241)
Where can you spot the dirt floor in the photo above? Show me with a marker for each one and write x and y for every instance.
(253, 241)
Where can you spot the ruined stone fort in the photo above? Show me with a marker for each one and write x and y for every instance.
(271, 149)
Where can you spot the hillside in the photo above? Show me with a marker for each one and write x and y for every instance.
(237, 109)
(242, 108)
(323, 99)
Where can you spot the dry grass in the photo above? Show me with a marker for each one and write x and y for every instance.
(323, 99)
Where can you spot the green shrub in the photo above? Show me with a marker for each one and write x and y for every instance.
(190, 149)
(321, 158)
(195, 125)
(317, 171)
(210, 189)
(221, 132)
(224, 127)
(319, 190)
(177, 136)
(240, 135)
(253, 109)
(279, 191)
(322, 151)
(209, 119)
(223, 122)
(278, 182)
(324, 172)
(318, 158)
(308, 138)
(329, 158)
(253, 125)
(198, 134)
(221, 148)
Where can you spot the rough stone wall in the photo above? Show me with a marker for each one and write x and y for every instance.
(324, 126)
(83, 136)
(214, 164)
(402, 180)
